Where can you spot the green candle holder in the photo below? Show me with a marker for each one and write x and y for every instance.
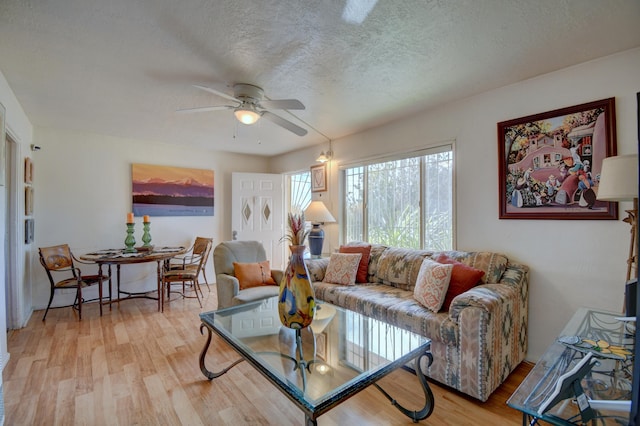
(146, 236)
(130, 241)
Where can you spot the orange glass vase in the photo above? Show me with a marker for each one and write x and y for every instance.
(296, 301)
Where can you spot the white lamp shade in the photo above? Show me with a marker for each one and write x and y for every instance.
(619, 178)
(317, 212)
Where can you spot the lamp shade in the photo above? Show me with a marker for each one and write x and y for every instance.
(322, 158)
(317, 212)
(619, 178)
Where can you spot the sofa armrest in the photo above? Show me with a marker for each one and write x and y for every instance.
(513, 287)
(485, 296)
(228, 287)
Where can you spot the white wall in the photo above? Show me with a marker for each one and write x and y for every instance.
(573, 263)
(82, 188)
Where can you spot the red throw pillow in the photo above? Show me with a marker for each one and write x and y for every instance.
(463, 278)
(363, 266)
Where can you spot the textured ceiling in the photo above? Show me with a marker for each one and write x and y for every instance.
(123, 67)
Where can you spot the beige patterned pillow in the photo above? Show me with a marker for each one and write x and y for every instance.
(432, 284)
(342, 268)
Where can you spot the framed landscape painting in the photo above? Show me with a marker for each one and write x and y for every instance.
(171, 191)
(549, 164)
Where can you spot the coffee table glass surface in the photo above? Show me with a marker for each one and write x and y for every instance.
(610, 342)
(341, 353)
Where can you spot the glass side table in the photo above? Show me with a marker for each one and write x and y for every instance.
(606, 386)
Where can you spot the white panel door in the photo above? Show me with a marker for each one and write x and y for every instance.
(257, 212)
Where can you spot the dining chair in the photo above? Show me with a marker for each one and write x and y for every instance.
(201, 248)
(188, 274)
(59, 263)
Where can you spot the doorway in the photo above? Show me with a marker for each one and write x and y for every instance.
(14, 298)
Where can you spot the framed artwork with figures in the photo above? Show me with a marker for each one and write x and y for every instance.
(549, 163)
(319, 178)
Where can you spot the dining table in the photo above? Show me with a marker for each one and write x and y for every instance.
(119, 257)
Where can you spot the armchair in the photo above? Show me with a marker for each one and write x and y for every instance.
(227, 285)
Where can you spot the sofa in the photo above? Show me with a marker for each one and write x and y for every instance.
(476, 343)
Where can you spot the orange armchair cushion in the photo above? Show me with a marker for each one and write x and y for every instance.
(253, 274)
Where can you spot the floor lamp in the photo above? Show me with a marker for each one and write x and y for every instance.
(619, 182)
(317, 213)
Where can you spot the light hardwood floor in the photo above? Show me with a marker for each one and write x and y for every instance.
(138, 366)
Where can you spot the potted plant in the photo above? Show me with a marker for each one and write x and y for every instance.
(296, 229)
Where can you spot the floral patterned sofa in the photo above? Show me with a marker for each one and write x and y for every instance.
(476, 344)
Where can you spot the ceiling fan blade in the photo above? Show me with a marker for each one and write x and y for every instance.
(284, 123)
(215, 92)
(282, 104)
(205, 109)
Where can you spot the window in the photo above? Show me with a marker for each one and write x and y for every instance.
(404, 202)
(299, 191)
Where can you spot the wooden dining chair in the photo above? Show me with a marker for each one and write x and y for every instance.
(58, 262)
(201, 248)
(189, 274)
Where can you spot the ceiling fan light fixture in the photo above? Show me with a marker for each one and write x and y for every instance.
(246, 115)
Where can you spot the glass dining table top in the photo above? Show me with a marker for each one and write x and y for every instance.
(341, 353)
(610, 341)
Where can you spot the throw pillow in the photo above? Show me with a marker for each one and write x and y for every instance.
(253, 274)
(342, 268)
(363, 266)
(463, 278)
(432, 284)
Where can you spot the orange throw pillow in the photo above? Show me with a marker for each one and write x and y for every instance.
(363, 266)
(463, 278)
(253, 274)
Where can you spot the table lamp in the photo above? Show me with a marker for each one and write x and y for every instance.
(619, 182)
(317, 213)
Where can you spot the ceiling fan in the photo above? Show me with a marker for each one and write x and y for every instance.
(249, 104)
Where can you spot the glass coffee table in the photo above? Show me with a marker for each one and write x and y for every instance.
(318, 367)
(559, 391)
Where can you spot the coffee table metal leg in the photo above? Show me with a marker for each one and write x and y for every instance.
(212, 374)
(428, 395)
(308, 421)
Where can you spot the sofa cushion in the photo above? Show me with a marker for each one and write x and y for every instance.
(316, 268)
(253, 274)
(432, 284)
(410, 315)
(399, 267)
(372, 300)
(374, 260)
(363, 267)
(493, 264)
(342, 268)
(463, 277)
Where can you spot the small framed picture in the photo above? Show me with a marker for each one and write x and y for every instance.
(28, 231)
(28, 201)
(28, 170)
(319, 178)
